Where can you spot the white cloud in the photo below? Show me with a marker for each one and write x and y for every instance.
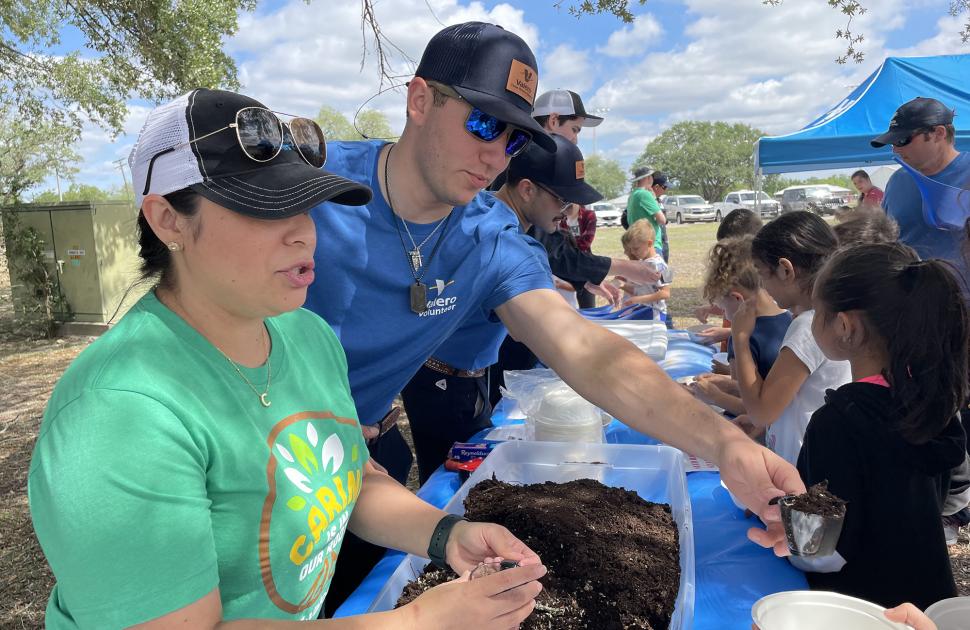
(633, 40)
(565, 67)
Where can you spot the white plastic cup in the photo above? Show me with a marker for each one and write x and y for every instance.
(951, 614)
(819, 610)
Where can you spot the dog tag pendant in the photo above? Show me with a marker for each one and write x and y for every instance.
(416, 260)
(419, 297)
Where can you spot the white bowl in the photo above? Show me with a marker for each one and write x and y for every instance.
(819, 610)
(951, 614)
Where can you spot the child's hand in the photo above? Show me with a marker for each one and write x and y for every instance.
(646, 273)
(714, 334)
(607, 291)
(742, 324)
(705, 390)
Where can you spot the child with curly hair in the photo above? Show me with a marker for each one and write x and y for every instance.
(732, 280)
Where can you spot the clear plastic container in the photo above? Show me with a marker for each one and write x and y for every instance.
(655, 473)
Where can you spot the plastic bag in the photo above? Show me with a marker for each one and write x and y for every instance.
(553, 410)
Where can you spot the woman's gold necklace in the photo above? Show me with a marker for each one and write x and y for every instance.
(264, 396)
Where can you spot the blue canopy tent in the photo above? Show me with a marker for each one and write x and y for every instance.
(840, 137)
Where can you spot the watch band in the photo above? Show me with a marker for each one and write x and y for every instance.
(439, 539)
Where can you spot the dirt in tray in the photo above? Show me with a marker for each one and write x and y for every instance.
(818, 500)
(613, 558)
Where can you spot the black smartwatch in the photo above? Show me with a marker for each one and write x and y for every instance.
(439, 539)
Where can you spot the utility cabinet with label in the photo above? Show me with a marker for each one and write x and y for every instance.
(92, 251)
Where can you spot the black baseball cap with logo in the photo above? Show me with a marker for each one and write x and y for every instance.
(491, 68)
(194, 142)
(563, 172)
(919, 113)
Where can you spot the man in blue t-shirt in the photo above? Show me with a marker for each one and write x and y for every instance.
(922, 135)
(447, 400)
(397, 277)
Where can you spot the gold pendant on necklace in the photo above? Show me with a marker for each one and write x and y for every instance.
(264, 399)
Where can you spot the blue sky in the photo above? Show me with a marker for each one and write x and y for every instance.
(739, 61)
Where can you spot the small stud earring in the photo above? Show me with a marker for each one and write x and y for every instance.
(175, 247)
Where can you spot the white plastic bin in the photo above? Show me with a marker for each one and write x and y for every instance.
(655, 473)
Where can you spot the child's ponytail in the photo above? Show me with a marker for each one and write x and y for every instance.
(917, 311)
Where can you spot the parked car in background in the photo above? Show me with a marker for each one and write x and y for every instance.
(688, 209)
(818, 198)
(754, 201)
(606, 213)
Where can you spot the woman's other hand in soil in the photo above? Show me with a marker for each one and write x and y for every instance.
(755, 475)
(501, 600)
(472, 543)
(910, 615)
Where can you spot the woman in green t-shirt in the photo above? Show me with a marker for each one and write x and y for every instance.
(200, 463)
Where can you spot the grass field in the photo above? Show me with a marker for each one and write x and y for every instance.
(689, 246)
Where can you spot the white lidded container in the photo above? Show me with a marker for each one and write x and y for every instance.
(656, 473)
(819, 610)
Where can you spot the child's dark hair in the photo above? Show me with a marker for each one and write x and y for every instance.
(801, 237)
(866, 225)
(739, 222)
(916, 310)
(156, 258)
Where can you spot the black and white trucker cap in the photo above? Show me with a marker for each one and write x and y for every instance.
(217, 168)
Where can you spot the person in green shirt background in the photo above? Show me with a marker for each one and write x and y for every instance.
(643, 204)
(200, 463)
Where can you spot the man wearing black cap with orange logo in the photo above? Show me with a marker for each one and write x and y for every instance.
(398, 276)
(447, 400)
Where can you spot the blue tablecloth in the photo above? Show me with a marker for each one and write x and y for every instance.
(731, 572)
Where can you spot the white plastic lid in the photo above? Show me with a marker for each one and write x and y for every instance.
(819, 610)
(951, 614)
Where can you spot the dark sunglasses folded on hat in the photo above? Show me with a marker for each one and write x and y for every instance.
(236, 152)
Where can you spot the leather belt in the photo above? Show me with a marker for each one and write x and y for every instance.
(444, 368)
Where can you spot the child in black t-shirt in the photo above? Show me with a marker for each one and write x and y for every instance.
(886, 441)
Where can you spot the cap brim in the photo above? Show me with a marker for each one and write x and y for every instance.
(889, 137)
(580, 192)
(591, 121)
(281, 190)
(507, 112)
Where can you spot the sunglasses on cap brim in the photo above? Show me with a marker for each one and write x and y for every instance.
(485, 127)
(262, 136)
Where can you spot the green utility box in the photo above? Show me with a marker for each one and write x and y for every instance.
(92, 250)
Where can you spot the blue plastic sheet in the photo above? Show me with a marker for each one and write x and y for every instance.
(731, 572)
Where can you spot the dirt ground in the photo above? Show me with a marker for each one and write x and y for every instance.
(30, 368)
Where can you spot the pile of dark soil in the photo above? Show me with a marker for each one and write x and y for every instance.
(613, 558)
(818, 500)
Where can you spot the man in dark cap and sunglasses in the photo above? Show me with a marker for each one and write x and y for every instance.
(396, 277)
(922, 134)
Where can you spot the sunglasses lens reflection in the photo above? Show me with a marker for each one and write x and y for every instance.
(518, 141)
(484, 126)
(309, 140)
(260, 133)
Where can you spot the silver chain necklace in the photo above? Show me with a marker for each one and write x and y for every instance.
(415, 254)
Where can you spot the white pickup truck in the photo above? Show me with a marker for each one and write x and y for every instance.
(768, 207)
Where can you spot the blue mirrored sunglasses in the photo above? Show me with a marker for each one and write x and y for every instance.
(486, 127)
